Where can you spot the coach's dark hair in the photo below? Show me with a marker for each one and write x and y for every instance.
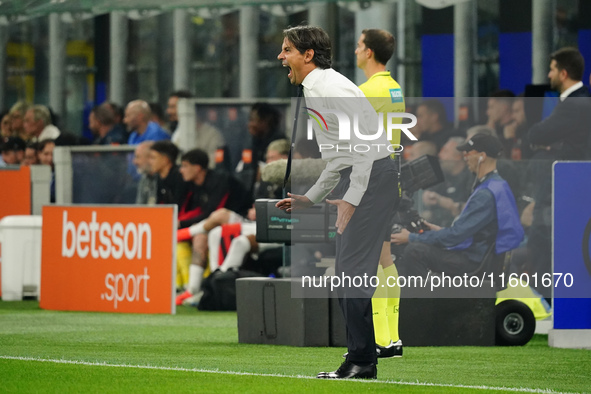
(166, 148)
(311, 37)
(381, 43)
(571, 60)
(196, 157)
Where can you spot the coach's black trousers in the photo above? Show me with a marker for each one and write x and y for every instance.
(358, 253)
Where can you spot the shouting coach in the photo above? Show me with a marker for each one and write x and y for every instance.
(364, 185)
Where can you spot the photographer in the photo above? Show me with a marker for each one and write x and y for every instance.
(489, 215)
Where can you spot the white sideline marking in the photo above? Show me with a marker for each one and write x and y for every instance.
(273, 375)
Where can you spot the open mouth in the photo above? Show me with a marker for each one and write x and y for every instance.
(289, 74)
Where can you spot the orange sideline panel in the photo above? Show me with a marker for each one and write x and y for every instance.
(108, 259)
(15, 191)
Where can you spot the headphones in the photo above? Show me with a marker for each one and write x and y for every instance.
(480, 158)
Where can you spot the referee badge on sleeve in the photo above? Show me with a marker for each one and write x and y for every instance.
(396, 95)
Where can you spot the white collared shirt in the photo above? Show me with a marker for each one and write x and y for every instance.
(49, 132)
(326, 91)
(568, 91)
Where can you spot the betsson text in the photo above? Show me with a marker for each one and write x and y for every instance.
(103, 240)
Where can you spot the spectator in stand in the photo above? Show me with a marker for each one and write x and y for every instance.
(277, 150)
(419, 149)
(45, 155)
(148, 183)
(171, 110)
(118, 115)
(209, 138)
(209, 190)
(137, 118)
(46, 148)
(13, 151)
(5, 125)
(17, 115)
(170, 187)
(31, 154)
(101, 122)
(500, 114)
(263, 126)
(432, 121)
(118, 112)
(158, 116)
(515, 133)
(37, 124)
(445, 201)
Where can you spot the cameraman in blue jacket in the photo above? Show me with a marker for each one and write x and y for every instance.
(490, 215)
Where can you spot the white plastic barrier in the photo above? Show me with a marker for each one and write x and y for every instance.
(21, 256)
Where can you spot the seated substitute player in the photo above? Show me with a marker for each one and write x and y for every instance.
(277, 150)
(229, 244)
(170, 186)
(490, 215)
(241, 229)
(209, 191)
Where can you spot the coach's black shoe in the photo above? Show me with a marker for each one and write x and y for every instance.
(394, 349)
(348, 370)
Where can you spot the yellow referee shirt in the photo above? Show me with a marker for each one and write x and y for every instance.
(385, 95)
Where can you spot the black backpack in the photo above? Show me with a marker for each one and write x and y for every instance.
(219, 290)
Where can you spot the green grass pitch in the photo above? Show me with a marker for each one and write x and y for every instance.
(198, 352)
